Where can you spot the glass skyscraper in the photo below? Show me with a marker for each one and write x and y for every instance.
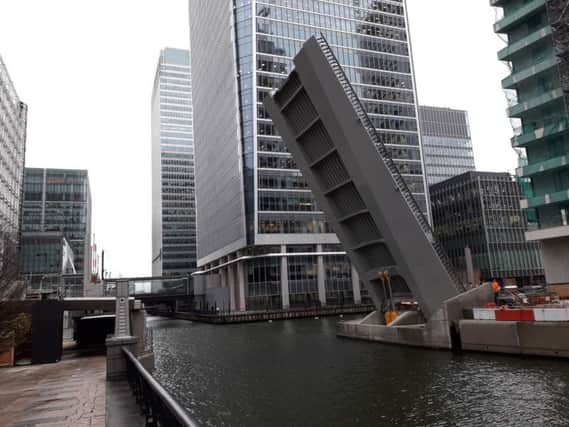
(173, 194)
(258, 225)
(481, 210)
(447, 144)
(13, 121)
(59, 201)
(537, 53)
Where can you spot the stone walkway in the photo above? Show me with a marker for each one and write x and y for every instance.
(68, 393)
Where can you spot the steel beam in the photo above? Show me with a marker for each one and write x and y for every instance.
(356, 183)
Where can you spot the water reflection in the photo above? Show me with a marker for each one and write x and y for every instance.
(298, 373)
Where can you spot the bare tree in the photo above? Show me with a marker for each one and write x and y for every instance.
(11, 285)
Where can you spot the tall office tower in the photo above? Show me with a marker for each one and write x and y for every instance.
(481, 210)
(173, 193)
(59, 200)
(258, 225)
(537, 33)
(447, 146)
(13, 120)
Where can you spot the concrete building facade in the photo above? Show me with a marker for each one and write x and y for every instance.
(537, 51)
(13, 121)
(173, 193)
(59, 201)
(481, 210)
(259, 228)
(447, 143)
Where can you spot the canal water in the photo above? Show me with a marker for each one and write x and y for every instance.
(298, 373)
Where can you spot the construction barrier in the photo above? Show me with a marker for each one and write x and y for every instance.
(522, 314)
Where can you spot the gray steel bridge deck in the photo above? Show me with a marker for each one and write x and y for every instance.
(355, 181)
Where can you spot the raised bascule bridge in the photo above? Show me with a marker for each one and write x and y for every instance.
(367, 202)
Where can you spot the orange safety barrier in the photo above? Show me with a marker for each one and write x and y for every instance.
(515, 315)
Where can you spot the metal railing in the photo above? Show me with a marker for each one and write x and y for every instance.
(388, 161)
(158, 406)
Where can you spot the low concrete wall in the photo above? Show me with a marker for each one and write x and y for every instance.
(435, 333)
(531, 338)
(555, 253)
(430, 335)
(476, 297)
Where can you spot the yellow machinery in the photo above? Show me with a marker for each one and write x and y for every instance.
(389, 313)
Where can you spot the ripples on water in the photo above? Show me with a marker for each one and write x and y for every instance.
(298, 373)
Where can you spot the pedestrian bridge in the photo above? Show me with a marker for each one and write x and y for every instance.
(150, 290)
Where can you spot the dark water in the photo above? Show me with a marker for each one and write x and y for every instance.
(298, 373)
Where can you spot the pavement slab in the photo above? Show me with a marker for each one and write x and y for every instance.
(68, 393)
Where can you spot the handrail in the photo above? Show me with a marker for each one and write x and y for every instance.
(176, 414)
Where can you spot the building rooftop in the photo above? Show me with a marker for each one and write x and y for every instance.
(470, 175)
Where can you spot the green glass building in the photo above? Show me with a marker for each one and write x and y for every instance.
(47, 261)
(59, 201)
(537, 52)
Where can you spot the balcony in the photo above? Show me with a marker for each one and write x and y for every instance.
(529, 136)
(511, 82)
(541, 167)
(509, 51)
(516, 17)
(547, 199)
(547, 233)
(534, 103)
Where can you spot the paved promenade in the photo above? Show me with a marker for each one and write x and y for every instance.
(68, 393)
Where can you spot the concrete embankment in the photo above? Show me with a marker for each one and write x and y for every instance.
(530, 338)
(448, 329)
(438, 332)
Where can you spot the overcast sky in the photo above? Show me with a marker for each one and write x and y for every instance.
(86, 71)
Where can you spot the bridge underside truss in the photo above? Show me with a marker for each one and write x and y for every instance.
(356, 183)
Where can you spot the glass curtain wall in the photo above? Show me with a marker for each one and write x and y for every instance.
(176, 167)
(303, 277)
(264, 279)
(447, 145)
(370, 40)
(13, 122)
(59, 200)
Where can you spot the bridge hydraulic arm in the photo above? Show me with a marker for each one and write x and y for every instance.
(355, 182)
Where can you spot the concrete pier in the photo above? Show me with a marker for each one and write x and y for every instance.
(529, 338)
(412, 330)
